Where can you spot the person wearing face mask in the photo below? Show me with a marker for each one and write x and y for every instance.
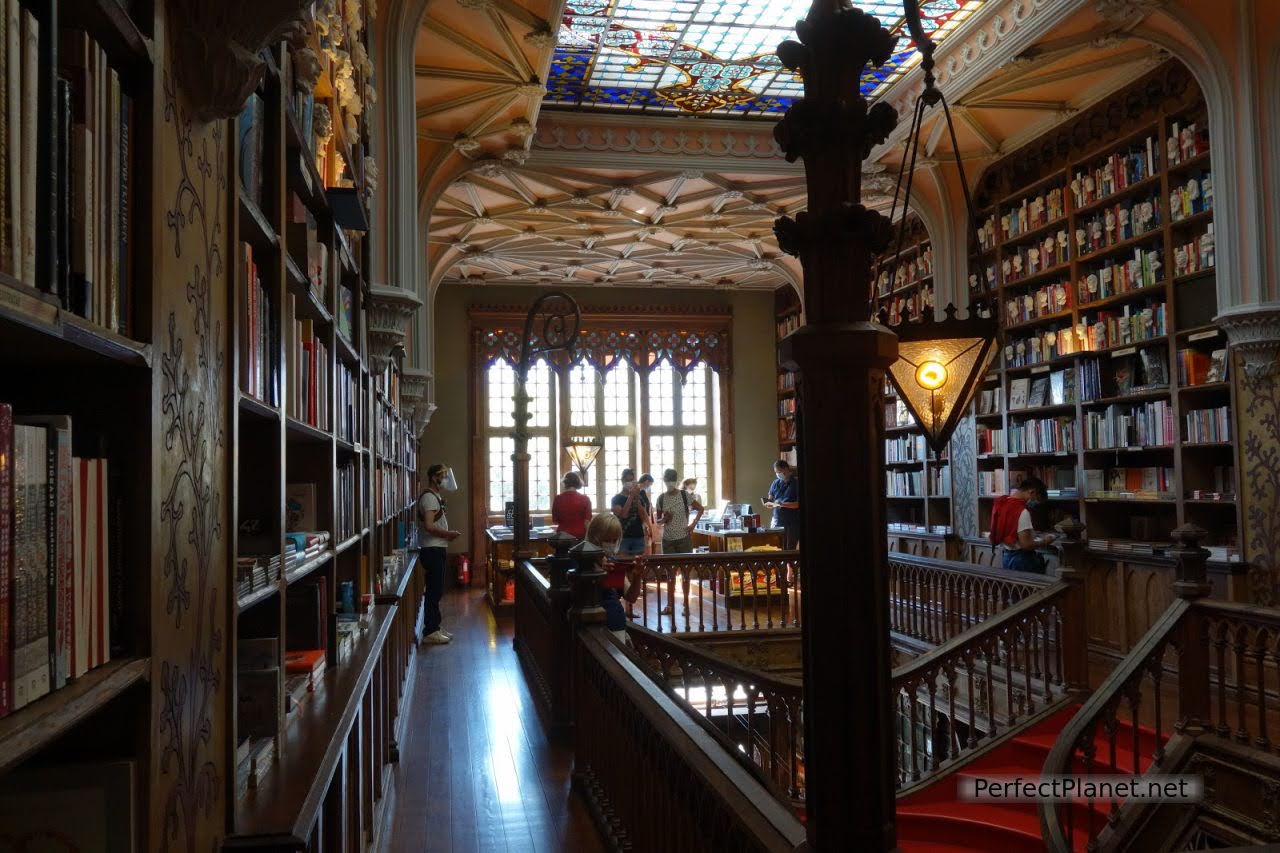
(605, 531)
(784, 500)
(630, 506)
(434, 545)
(652, 535)
(1012, 528)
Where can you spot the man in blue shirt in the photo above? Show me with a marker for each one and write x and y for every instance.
(784, 500)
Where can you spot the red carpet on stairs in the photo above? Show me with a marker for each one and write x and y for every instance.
(935, 820)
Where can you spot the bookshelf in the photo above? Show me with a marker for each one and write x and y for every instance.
(917, 480)
(1111, 383)
(77, 343)
(787, 315)
(904, 286)
(325, 460)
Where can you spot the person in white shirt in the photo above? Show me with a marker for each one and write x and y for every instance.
(434, 546)
(679, 514)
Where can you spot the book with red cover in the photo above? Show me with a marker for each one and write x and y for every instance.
(303, 661)
(6, 552)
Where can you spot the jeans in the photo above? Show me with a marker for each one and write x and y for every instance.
(433, 560)
(1018, 560)
(683, 545)
(615, 619)
(633, 545)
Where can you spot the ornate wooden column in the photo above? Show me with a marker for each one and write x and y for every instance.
(841, 357)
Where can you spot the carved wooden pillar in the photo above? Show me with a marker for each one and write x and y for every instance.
(1074, 633)
(841, 357)
(1193, 661)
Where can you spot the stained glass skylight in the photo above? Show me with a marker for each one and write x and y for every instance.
(708, 56)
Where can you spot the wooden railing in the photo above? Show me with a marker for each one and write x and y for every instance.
(1216, 663)
(756, 716)
(721, 591)
(542, 640)
(979, 685)
(653, 779)
(935, 600)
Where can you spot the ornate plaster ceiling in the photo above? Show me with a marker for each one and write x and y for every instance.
(502, 223)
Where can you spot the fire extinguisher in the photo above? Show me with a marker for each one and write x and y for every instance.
(463, 563)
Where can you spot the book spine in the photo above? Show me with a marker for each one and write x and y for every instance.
(63, 195)
(53, 569)
(113, 201)
(65, 567)
(31, 652)
(6, 555)
(13, 166)
(30, 127)
(76, 651)
(102, 615)
(6, 249)
(113, 576)
(125, 228)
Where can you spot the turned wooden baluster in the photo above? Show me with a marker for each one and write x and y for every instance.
(1260, 651)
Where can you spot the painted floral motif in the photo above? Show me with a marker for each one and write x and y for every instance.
(1260, 426)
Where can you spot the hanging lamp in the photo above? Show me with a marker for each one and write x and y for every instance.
(583, 451)
(940, 363)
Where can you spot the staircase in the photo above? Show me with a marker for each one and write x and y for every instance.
(934, 820)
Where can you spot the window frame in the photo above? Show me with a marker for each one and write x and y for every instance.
(709, 485)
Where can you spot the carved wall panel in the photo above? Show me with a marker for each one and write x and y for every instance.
(964, 478)
(188, 774)
(1258, 427)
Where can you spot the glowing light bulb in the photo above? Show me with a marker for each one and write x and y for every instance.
(931, 376)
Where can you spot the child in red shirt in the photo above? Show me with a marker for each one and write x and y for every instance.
(605, 531)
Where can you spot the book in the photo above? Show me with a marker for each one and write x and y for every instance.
(70, 807)
(1155, 368)
(300, 506)
(1057, 394)
(1122, 373)
(6, 552)
(1039, 394)
(1018, 389)
(13, 137)
(59, 535)
(30, 124)
(249, 134)
(31, 566)
(1218, 366)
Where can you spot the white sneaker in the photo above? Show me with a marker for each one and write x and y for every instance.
(436, 638)
(448, 634)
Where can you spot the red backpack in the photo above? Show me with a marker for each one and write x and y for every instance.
(1005, 512)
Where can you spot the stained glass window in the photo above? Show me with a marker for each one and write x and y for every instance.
(681, 430)
(709, 56)
(604, 406)
(499, 391)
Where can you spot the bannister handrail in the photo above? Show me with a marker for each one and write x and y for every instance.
(721, 557)
(958, 644)
(960, 567)
(1083, 724)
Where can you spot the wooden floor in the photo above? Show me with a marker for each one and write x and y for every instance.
(476, 771)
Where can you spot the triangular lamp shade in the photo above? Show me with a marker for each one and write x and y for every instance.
(939, 366)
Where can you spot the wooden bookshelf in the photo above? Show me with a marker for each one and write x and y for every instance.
(325, 424)
(917, 481)
(903, 275)
(787, 317)
(1087, 234)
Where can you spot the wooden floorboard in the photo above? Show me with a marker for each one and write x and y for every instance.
(477, 773)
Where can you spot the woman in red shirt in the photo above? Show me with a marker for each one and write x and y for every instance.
(571, 510)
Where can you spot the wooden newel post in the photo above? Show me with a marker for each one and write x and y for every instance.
(585, 580)
(841, 357)
(1191, 582)
(559, 563)
(1075, 628)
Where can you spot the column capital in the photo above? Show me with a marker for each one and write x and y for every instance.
(1254, 332)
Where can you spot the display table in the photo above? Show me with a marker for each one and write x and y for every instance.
(500, 562)
(718, 540)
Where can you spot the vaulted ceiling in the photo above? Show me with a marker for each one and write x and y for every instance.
(626, 188)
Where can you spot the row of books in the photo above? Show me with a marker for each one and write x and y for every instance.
(1130, 325)
(786, 381)
(1034, 259)
(787, 430)
(940, 482)
(1146, 370)
(1196, 367)
(60, 596)
(1208, 425)
(1057, 388)
(905, 448)
(910, 307)
(92, 227)
(1116, 172)
(908, 271)
(1124, 481)
(302, 546)
(347, 392)
(990, 440)
(1040, 346)
(1059, 480)
(1222, 489)
(987, 233)
(1042, 435)
(1118, 426)
(311, 255)
(259, 338)
(1117, 223)
(904, 484)
(1195, 255)
(1121, 276)
(787, 325)
(345, 514)
(307, 362)
(896, 414)
(991, 483)
(990, 401)
(19, 105)
(1186, 141)
(1195, 195)
(1032, 213)
(255, 572)
(250, 141)
(1041, 302)
(391, 491)
(787, 407)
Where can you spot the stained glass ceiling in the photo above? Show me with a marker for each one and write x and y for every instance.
(708, 56)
